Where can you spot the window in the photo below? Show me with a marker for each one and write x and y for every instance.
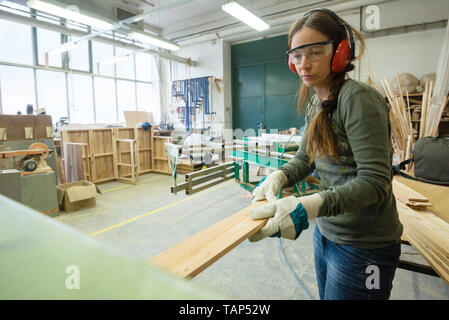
(105, 100)
(15, 40)
(143, 66)
(46, 41)
(79, 56)
(144, 96)
(125, 69)
(51, 93)
(126, 98)
(16, 89)
(155, 102)
(101, 52)
(81, 99)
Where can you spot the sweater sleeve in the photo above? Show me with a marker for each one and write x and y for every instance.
(366, 121)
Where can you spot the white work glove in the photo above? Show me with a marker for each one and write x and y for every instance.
(270, 187)
(288, 217)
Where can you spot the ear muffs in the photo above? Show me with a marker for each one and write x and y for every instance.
(342, 56)
(292, 66)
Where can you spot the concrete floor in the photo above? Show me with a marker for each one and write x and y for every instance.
(147, 219)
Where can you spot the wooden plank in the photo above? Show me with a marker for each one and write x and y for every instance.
(73, 164)
(437, 195)
(61, 179)
(406, 194)
(195, 254)
(425, 231)
(92, 158)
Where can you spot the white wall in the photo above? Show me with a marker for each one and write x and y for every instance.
(416, 53)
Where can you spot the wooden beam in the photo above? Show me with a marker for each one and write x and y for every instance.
(195, 254)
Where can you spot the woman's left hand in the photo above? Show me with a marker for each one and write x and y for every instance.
(288, 217)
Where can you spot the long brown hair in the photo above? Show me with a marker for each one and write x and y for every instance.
(320, 136)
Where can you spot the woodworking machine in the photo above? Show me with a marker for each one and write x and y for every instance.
(31, 160)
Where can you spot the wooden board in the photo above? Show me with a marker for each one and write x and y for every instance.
(193, 255)
(425, 231)
(73, 164)
(437, 195)
(132, 118)
(15, 126)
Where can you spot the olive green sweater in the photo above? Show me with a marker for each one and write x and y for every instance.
(359, 207)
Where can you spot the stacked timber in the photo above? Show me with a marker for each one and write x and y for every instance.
(425, 231)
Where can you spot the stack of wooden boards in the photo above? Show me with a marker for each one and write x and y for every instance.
(425, 231)
(92, 154)
(402, 129)
(404, 133)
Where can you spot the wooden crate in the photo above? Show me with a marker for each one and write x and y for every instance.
(160, 159)
(100, 161)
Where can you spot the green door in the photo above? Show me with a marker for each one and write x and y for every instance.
(264, 90)
(248, 102)
(281, 87)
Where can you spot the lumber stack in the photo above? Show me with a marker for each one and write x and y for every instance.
(424, 230)
(402, 129)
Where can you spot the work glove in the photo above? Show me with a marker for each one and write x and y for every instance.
(288, 217)
(270, 187)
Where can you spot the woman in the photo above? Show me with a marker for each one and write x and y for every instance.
(347, 141)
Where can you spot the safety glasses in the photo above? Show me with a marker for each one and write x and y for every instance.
(313, 51)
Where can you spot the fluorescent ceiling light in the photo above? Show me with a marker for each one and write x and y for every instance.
(115, 59)
(62, 12)
(246, 16)
(154, 40)
(63, 48)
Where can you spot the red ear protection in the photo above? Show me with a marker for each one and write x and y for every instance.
(342, 56)
(292, 66)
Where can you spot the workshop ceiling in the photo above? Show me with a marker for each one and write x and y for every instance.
(186, 22)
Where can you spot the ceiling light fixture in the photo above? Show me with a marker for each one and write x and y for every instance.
(246, 16)
(54, 8)
(63, 48)
(154, 40)
(115, 59)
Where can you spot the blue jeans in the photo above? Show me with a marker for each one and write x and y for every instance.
(345, 272)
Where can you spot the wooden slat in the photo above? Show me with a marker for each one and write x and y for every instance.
(406, 194)
(438, 195)
(193, 255)
(425, 231)
(73, 164)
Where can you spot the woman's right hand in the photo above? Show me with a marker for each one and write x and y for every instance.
(270, 188)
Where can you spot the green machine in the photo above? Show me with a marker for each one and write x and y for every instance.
(270, 156)
(42, 258)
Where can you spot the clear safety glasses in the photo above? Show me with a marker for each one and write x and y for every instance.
(313, 51)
